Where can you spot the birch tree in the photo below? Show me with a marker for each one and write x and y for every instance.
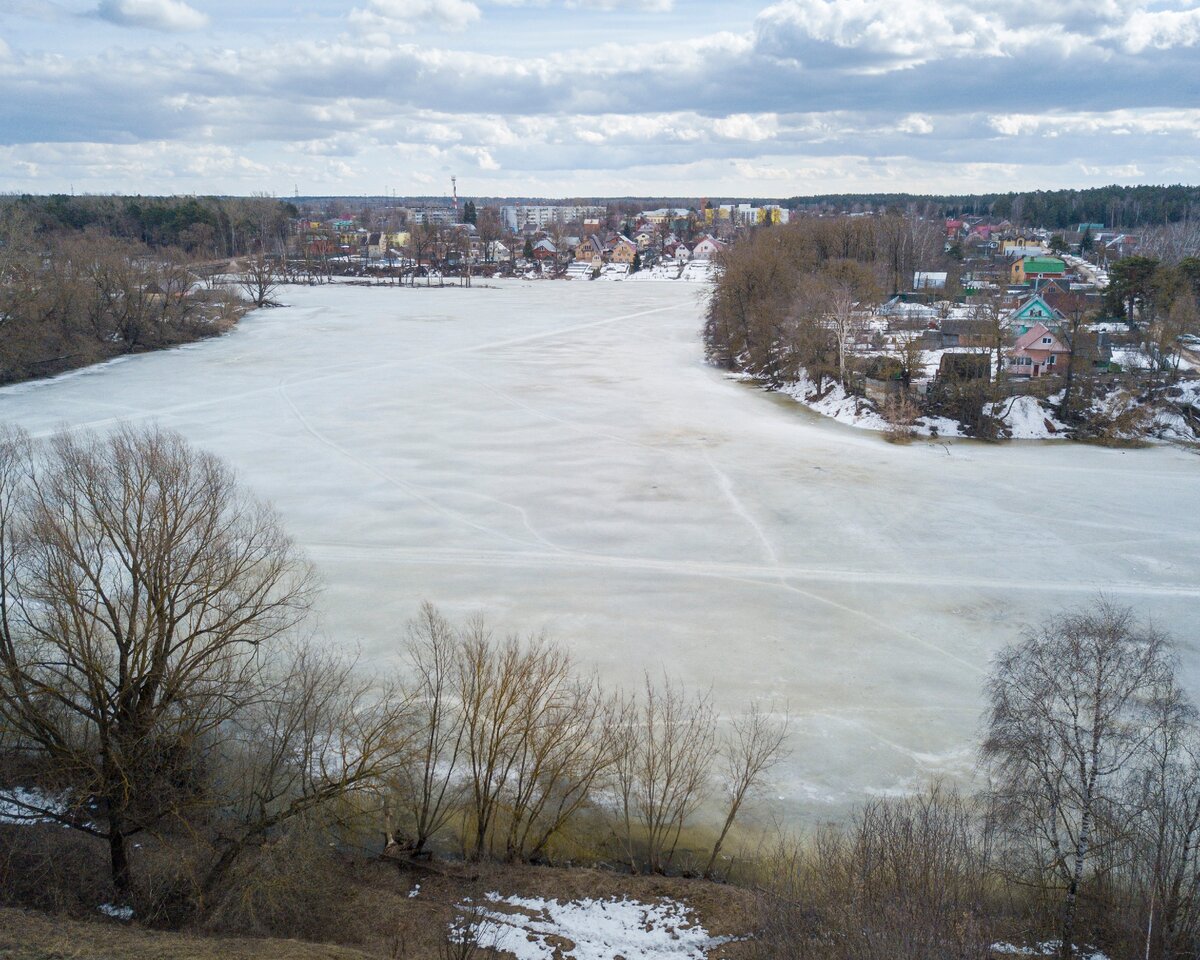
(1071, 712)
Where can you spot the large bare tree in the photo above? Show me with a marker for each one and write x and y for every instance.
(138, 582)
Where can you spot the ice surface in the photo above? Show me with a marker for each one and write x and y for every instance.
(557, 455)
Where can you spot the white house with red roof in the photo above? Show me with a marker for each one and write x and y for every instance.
(1037, 352)
(707, 248)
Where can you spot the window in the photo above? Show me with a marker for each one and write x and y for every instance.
(1050, 362)
(1047, 340)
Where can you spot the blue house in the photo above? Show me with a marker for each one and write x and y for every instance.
(1033, 311)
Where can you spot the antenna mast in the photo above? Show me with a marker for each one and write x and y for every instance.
(454, 184)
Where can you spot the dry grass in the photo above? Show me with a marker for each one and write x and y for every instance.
(408, 928)
(385, 922)
(25, 935)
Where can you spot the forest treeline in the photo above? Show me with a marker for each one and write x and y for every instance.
(85, 279)
(67, 301)
(202, 227)
(161, 700)
(1115, 207)
(787, 299)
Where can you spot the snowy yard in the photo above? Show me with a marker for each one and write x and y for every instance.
(558, 456)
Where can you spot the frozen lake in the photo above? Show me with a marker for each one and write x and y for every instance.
(558, 456)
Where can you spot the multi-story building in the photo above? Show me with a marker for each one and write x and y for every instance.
(519, 217)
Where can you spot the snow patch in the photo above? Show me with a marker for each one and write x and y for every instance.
(1047, 948)
(835, 403)
(533, 929)
(1027, 419)
(16, 804)
(115, 911)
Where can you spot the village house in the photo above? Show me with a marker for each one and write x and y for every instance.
(1036, 353)
(1035, 309)
(707, 248)
(1028, 269)
(1023, 247)
(623, 251)
(590, 250)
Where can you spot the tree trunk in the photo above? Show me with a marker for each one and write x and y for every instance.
(122, 876)
(1067, 947)
(716, 850)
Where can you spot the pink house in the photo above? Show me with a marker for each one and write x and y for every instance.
(1036, 353)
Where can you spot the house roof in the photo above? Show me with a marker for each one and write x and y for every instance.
(1031, 339)
(1036, 305)
(966, 326)
(1044, 265)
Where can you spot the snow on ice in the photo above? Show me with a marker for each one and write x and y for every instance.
(559, 457)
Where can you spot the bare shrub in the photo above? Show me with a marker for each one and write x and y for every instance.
(901, 414)
(292, 886)
(907, 879)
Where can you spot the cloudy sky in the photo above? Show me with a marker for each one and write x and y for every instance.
(596, 97)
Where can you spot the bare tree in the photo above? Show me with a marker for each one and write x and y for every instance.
(1164, 844)
(1071, 714)
(493, 685)
(313, 732)
(426, 784)
(847, 324)
(568, 743)
(664, 758)
(138, 582)
(748, 752)
(258, 277)
(489, 229)
(990, 311)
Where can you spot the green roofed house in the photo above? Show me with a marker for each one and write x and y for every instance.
(1037, 268)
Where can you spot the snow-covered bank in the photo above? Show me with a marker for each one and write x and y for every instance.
(1022, 417)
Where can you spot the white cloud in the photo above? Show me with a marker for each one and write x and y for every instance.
(167, 15)
(916, 123)
(1110, 123)
(873, 34)
(1160, 30)
(654, 6)
(406, 16)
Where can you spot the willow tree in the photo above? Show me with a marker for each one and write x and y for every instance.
(138, 583)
